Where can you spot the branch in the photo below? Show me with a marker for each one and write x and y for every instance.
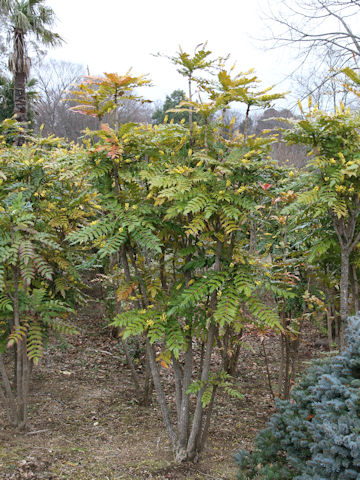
(355, 242)
(345, 25)
(300, 30)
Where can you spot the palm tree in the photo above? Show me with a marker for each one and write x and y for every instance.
(7, 97)
(26, 17)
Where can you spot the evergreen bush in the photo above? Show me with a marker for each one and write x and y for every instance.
(316, 434)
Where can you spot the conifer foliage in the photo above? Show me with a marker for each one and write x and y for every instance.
(315, 434)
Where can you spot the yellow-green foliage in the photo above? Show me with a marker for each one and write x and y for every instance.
(334, 145)
(44, 196)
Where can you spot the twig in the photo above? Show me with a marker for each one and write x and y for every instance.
(267, 370)
(37, 431)
(108, 353)
(194, 469)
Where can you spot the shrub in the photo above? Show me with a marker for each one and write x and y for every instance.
(316, 434)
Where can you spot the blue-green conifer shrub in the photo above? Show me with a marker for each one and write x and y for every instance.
(316, 434)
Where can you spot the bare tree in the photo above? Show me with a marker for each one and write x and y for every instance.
(318, 25)
(323, 36)
(55, 79)
(324, 84)
(53, 109)
(132, 111)
(4, 48)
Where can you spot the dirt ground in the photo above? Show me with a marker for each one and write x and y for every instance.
(85, 423)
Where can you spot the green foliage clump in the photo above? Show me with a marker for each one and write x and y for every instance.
(42, 200)
(315, 434)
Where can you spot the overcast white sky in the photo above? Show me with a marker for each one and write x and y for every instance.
(114, 35)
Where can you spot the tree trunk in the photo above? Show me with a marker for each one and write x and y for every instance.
(330, 320)
(190, 111)
(144, 395)
(133, 372)
(7, 395)
(230, 348)
(161, 394)
(20, 96)
(19, 67)
(355, 287)
(148, 384)
(252, 245)
(184, 417)
(194, 442)
(268, 375)
(282, 354)
(344, 293)
(14, 394)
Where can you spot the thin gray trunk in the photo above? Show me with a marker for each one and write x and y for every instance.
(355, 287)
(287, 367)
(348, 240)
(344, 293)
(163, 271)
(14, 394)
(206, 135)
(130, 363)
(20, 358)
(178, 384)
(190, 110)
(148, 383)
(195, 434)
(184, 418)
(6, 404)
(144, 397)
(268, 375)
(252, 245)
(194, 442)
(25, 380)
(210, 408)
(160, 393)
(246, 121)
(7, 395)
(330, 320)
(282, 353)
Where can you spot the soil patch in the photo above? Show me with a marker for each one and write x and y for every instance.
(85, 423)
